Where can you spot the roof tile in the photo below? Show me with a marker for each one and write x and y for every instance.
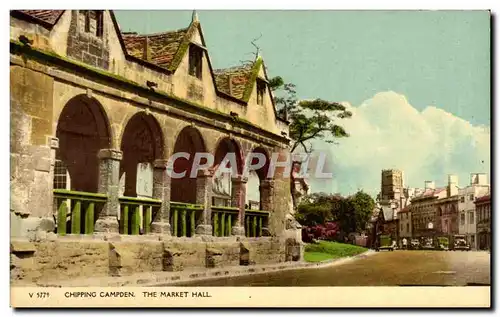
(47, 16)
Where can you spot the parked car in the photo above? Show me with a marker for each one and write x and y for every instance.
(460, 243)
(414, 244)
(428, 244)
(385, 243)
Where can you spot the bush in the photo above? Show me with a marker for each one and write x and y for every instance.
(329, 231)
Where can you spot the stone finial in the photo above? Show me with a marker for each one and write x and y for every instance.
(194, 17)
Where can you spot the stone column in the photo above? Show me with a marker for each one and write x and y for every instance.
(266, 194)
(161, 191)
(238, 195)
(204, 197)
(109, 183)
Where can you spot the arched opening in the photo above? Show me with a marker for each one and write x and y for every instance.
(82, 131)
(142, 143)
(183, 189)
(256, 194)
(222, 180)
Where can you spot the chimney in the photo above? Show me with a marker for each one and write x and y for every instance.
(452, 189)
(430, 185)
(230, 83)
(146, 52)
(478, 179)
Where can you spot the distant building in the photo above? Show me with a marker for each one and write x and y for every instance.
(391, 186)
(424, 218)
(467, 209)
(483, 225)
(405, 225)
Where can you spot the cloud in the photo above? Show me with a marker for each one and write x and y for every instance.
(386, 132)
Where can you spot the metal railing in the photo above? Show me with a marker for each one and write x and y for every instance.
(223, 219)
(184, 217)
(136, 214)
(76, 211)
(255, 222)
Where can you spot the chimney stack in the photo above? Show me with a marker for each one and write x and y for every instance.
(478, 179)
(452, 189)
(430, 185)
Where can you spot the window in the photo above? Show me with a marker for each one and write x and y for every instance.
(471, 217)
(100, 23)
(93, 22)
(471, 197)
(472, 240)
(261, 89)
(402, 227)
(445, 225)
(462, 219)
(195, 58)
(408, 227)
(61, 176)
(462, 199)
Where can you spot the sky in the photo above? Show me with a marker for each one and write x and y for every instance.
(418, 83)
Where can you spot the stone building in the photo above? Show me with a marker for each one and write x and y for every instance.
(90, 106)
(424, 218)
(467, 209)
(391, 186)
(405, 225)
(483, 212)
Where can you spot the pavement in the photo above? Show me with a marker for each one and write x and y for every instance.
(385, 268)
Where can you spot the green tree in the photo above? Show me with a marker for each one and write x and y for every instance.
(355, 212)
(309, 119)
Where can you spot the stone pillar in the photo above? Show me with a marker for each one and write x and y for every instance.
(266, 194)
(109, 183)
(204, 197)
(161, 191)
(238, 195)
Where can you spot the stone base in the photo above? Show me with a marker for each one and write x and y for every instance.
(162, 228)
(107, 225)
(205, 230)
(238, 231)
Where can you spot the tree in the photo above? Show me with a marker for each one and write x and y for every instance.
(356, 212)
(309, 119)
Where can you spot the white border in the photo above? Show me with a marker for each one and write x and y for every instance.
(199, 4)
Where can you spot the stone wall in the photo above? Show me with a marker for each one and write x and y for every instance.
(87, 46)
(73, 257)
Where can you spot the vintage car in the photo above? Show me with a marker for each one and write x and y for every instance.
(385, 243)
(443, 244)
(428, 244)
(460, 243)
(414, 244)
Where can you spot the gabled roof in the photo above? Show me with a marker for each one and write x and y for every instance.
(233, 81)
(159, 48)
(47, 18)
(388, 213)
(164, 52)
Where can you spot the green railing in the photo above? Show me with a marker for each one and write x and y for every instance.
(184, 217)
(255, 221)
(132, 209)
(385, 240)
(223, 219)
(77, 211)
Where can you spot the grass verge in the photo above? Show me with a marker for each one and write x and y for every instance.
(328, 250)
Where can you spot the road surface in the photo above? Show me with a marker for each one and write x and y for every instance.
(385, 268)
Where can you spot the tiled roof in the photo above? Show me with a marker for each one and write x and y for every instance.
(483, 199)
(162, 47)
(47, 16)
(430, 193)
(233, 81)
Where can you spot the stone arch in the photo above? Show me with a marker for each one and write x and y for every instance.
(188, 140)
(222, 181)
(257, 190)
(82, 129)
(142, 143)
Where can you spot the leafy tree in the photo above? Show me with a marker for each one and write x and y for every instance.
(309, 119)
(356, 212)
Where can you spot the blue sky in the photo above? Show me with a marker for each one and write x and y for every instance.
(428, 70)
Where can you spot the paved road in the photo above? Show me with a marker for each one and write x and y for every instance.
(381, 269)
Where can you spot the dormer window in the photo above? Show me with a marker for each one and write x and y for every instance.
(93, 22)
(261, 90)
(195, 61)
